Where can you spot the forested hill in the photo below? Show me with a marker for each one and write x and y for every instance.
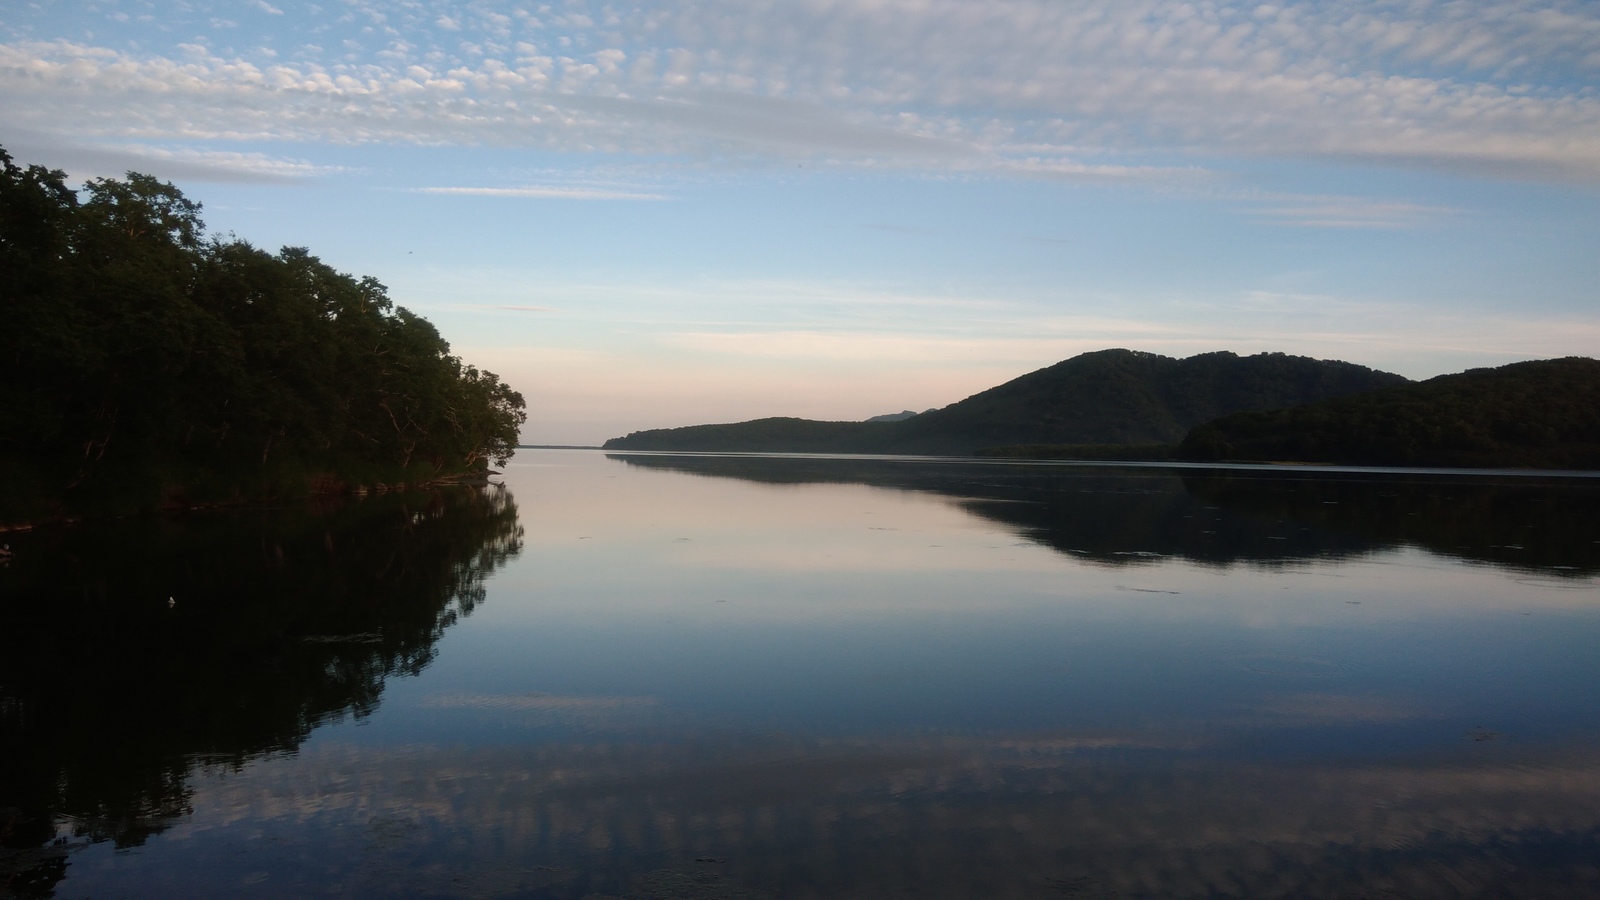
(1542, 414)
(142, 362)
(1128, 397)
(1121, 397)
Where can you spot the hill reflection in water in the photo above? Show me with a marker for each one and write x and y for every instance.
(1125, 516)
(134, 651)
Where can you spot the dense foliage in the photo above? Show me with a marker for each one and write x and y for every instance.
(1541, 414)
(1103, 452)
(1110, 397)
(143, 361)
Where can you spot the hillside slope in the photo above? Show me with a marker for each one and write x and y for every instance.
(1128, 397)
(780, 434)
(1541, 414)
(1106, 397)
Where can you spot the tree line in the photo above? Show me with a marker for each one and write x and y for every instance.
(142, 360)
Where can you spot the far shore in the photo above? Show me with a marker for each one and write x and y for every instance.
(1241, 465)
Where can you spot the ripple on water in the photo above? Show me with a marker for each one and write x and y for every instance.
(1293, 666)
(1561, 584)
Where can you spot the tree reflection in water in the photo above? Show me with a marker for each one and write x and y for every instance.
(135, 650)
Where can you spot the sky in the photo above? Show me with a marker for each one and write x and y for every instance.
(653, 215)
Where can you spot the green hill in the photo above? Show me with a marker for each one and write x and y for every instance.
(1109, 397)
(1542, 414)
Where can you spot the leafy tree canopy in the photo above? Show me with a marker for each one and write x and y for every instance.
(143, 360)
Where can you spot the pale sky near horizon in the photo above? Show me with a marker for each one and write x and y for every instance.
(663, 214)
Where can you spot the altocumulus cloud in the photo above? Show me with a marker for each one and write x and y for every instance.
(1025, 88)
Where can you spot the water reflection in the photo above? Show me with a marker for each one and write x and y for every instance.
(725, 687)
(134, 650)
(1030, 817)
(1130, 516)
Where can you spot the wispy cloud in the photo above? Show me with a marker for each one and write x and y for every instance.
(1415, 341)
(544, 192)
(1333, 211)
(1065, 169)
(104, 158)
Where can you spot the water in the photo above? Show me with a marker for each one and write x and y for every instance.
(678, 676)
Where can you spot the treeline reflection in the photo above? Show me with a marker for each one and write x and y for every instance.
(1222, 517)
(135, 650)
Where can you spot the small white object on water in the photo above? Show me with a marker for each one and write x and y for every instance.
(171, 602)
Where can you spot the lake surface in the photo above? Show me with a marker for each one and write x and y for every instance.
(634, 676)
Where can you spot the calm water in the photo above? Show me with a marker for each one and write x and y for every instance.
(695, 677)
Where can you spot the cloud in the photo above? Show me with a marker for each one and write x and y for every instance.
(1415, 342)
(787, 127)
(1108, 89)
(553, 193)
(1333, 211)
(1064, 169)
(105, 159)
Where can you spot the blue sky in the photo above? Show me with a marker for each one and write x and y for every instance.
(713, 210)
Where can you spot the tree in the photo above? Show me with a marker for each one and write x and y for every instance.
(143, 358)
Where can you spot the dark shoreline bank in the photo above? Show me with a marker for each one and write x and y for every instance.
(319, 494)
(1274, 467)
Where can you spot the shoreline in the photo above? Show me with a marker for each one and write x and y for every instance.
(323, 491)
(1245, 466)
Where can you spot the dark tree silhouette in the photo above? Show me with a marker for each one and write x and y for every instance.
(144, 362)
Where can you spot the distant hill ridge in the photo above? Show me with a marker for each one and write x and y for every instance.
(895, 417)
(1120, 397)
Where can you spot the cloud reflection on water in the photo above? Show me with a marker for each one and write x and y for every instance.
(1114, 815)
